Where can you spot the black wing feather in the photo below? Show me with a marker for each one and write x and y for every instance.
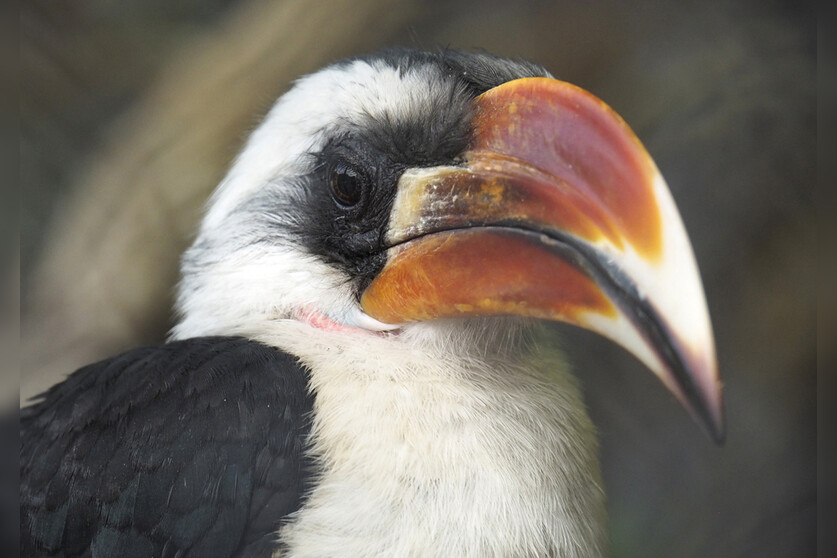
(193, 448)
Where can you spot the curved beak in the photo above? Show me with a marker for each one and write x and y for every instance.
(556, 212)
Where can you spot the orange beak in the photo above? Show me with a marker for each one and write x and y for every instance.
(557, 212)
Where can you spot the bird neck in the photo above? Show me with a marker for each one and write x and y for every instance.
(469, 441)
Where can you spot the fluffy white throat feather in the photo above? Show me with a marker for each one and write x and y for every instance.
(447, 439)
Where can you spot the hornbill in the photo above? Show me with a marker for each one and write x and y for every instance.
(357, 367)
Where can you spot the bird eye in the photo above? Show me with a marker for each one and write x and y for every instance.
(346, 185)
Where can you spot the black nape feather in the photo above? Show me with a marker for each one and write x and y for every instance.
(483, 71)
(479, 71)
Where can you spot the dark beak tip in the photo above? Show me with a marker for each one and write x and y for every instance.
(718, 433)
(713, 421)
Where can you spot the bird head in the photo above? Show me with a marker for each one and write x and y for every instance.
(401, 191)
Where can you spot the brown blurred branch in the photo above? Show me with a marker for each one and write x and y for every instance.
(110, 264)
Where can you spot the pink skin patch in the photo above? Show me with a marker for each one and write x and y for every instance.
(321, 321)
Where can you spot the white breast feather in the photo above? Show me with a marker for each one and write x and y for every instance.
(444, 442)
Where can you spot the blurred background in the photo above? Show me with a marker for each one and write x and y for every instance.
(131, 110)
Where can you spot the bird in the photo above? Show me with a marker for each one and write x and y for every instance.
(359, 364)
